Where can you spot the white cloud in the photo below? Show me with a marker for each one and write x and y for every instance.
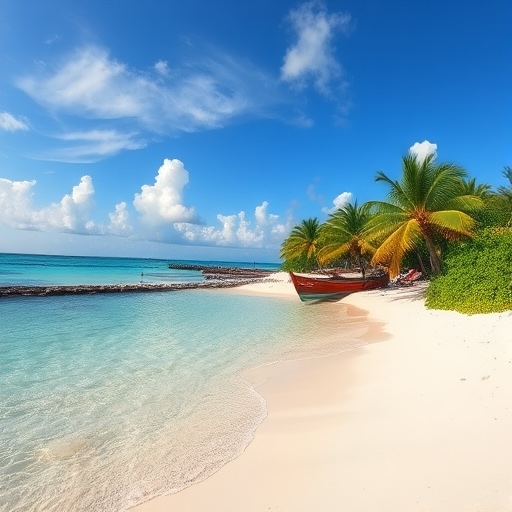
(9, 123)
(69, 215)
(15, 202)
(162, 215)
(162, 67)
(90, 83)
(120, 221)
(338, 202)
(162, 202)
(93, 145)
(423, 149)
(312, 55)
(267, 230)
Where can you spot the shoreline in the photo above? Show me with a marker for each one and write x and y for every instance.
(419, 421)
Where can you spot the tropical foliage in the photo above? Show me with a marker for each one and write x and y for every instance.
(497, 209)
(471, 188)
(303, 241)
(300, 264)
(433, 212)
(345, 234)
(506, 192)
(428, 205)
(478, 275)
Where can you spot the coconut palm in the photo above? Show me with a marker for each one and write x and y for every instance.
(503, 199)
(302, 241)
(506, 192)
(344, 234)
(426, 205)
(470, 188)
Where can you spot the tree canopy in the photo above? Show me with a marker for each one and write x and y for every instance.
(426, 204)
(303, 240)
(345, 234)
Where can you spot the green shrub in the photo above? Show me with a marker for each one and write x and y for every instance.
(477, 275)
(300, 264)
(497, 212)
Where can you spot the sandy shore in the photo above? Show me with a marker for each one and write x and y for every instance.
(419, 422)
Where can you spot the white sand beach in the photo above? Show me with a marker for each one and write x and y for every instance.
(421, 421)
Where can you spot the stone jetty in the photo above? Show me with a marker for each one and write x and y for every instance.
(215, 277)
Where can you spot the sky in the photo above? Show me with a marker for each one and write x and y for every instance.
(207, 130)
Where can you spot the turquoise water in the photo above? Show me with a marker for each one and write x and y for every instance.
(41, 270)
(109, 400)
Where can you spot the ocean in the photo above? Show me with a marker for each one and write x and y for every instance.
(109, 400)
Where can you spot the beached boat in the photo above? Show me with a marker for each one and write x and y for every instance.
(319, 288)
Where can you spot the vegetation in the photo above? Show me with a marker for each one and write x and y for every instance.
(345, 234)
(433, 214)
(477, 276)
(426, 205)
(300, 264)
(302, 243)
(471, 188)
(506, 192)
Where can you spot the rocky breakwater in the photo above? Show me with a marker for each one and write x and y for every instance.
(227, 273)
(215, 277)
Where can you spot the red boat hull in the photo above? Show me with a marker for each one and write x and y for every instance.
(318, 288)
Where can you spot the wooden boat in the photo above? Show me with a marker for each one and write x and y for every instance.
(321, 288)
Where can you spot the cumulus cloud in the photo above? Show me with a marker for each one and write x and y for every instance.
(338, 202)
(162, 202)
(312, 56)
(90, 83)
(266, 230)
(423, 149)
(71, 214)
(15, 202)
(120, 221)
(10, 123)
(162, 215)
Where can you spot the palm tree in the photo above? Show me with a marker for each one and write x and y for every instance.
(506, 191)
(302, 241)
(344, 234)
(426, 205)
(470, 188)
(504, 196)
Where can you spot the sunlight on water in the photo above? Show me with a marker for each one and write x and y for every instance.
(109, 400)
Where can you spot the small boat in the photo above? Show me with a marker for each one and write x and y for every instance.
(334, 288)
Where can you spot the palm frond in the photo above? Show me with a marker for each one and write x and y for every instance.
(444, 186)
(389, 218)
(343, 233)
(452, 224)
(465, 203)
(332, 252)
(393, 249)
(396, 195)
(303, 240)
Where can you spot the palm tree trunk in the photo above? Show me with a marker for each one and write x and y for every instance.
(435, 261)
(361, 266)
(422, 266)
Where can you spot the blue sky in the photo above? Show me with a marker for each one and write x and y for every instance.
(207, 130)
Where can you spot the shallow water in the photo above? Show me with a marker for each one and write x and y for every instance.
(106, 401)
(41, 270)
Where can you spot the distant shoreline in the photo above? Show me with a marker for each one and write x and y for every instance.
(215, 277)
